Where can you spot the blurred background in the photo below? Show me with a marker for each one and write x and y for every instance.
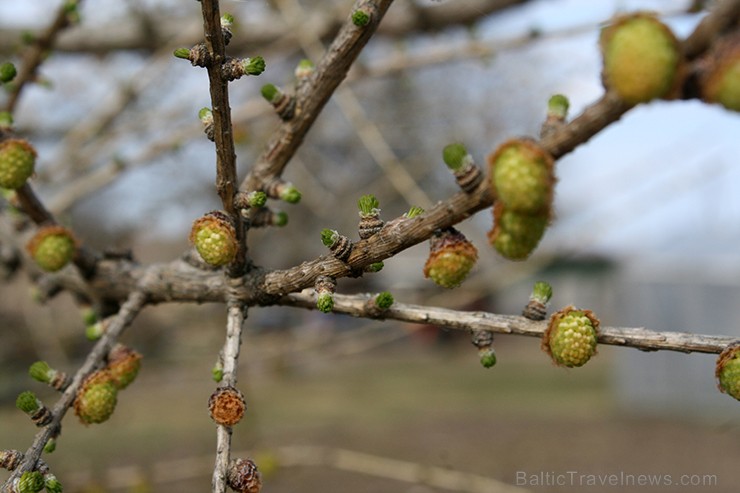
(645, 235)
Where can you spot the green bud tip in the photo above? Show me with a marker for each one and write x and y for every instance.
(52, 484)
(360, 18)
(375, 267)
(6, 119)
(487, 357)
(27, 402)
(94, 331)
(541, 292)
(280, 219)
(205, 115)
(368, 205)
(41, 372)
(27, 37)
(70, 6)
(455, 156)
(50, 446)
(270, 92)
(558, 106)
(218, 373)
(183, 53)
(290, 194)
(329, 237)
(384, 300)
(325, 302)
(227, 20)
(304, 68)
(7, 72)
(30, 482)
(254, 65)
(257, 199)
(89, 316)
(414, 211)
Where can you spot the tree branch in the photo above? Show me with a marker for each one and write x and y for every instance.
(128, 312)
(314, 93)
(226, 179)
(235, 320)
(640, 338)
(37, 54)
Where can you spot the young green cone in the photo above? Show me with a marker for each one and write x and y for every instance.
(451, 257)
(123, 365)
(17, 162)
(570, 339)
(516, 235)
(721, 81)
(642, 58)
(214, 237)
(727, 371)
(522, 177)
(96, 400)
(52, 247)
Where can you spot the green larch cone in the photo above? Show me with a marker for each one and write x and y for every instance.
(642, 58)
(570, 339)
(451, 257)
(52, 247)
(17, 162)
(522, 176)
(515, 235)
(214, 237)
(243, 476)
(720, 82)
(123, 365)
(727, 371)
(96, 400)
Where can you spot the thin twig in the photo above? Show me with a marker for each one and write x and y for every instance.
(37, 54)
(234, 322)
(640, 338)
(226, 179)
(387, 468)
(368, 132)
(723, 15)
(314, 93)
(128, 312)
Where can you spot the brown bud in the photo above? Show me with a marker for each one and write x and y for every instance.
(243, 476)
(227, 406)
